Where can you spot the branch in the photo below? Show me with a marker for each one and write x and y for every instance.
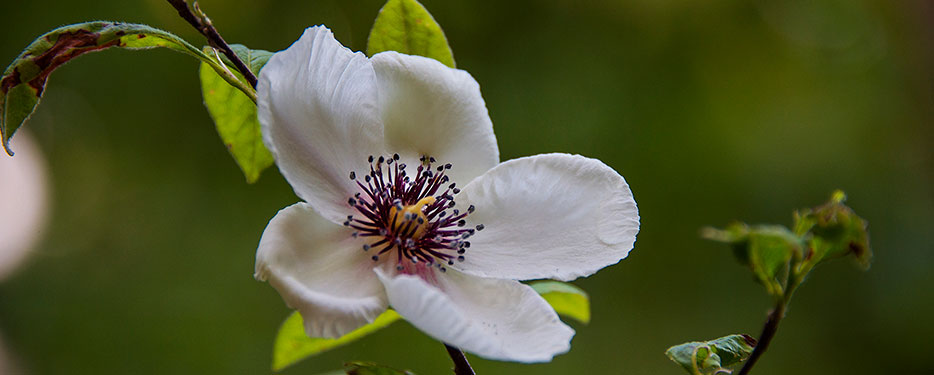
(203, 24)
(461, 366)
(768, 332)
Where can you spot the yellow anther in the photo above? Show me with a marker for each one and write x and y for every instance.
(412, 213)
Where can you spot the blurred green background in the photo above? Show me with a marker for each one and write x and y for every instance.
(712, 110)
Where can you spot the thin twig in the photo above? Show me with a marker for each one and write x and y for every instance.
(768, 332)
(461, 366)
(205, 27)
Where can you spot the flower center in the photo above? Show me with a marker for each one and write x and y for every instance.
(411, 214)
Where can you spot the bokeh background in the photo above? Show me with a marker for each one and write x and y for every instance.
(712, 110)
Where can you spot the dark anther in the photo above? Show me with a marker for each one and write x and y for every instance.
(370, 159)
(375, 258)
(381, 159)
(431, 160)
(450, 262)
(461, 251)
(461, 223)
(367, 178)
(461, 258)
(470, 209)
(447, 166)
(353, 176)
(352, 202)
(480, 227)
(366, 247)
(467, 244)
(456, 190)
(347, 223)
(395, 156)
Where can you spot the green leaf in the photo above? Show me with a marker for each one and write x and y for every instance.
(766, 249)
(834, 231)
(566, 299)
(406, 26)
(292, 345)
(23, 82)
(770, 251)
(367, 368)
(234, 113)
(708, 357)
(255, 59)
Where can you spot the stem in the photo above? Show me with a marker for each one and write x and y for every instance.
(205, 27)
(461, 366)
(768, 332)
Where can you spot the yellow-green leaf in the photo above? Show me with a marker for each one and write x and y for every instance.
(234, 114)
(406, 26)
(566, 299)
(292, 345)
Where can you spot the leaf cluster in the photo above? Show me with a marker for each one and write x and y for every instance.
(781, 258)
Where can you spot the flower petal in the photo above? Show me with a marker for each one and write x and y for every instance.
(430, 109)
(317, 110)
(319, 269)
(492, 318)
(554, 216)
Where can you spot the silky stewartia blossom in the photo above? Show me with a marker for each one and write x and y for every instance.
(407, 206)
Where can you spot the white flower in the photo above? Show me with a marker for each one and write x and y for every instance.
(374, 147)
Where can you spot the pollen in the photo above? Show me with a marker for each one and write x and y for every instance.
(412, 213)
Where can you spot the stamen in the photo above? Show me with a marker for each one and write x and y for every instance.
(409, 214)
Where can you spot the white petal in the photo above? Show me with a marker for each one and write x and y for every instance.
(430, 109)
(553, 216)
(492, 318)
(319, 269)
(317, 110)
